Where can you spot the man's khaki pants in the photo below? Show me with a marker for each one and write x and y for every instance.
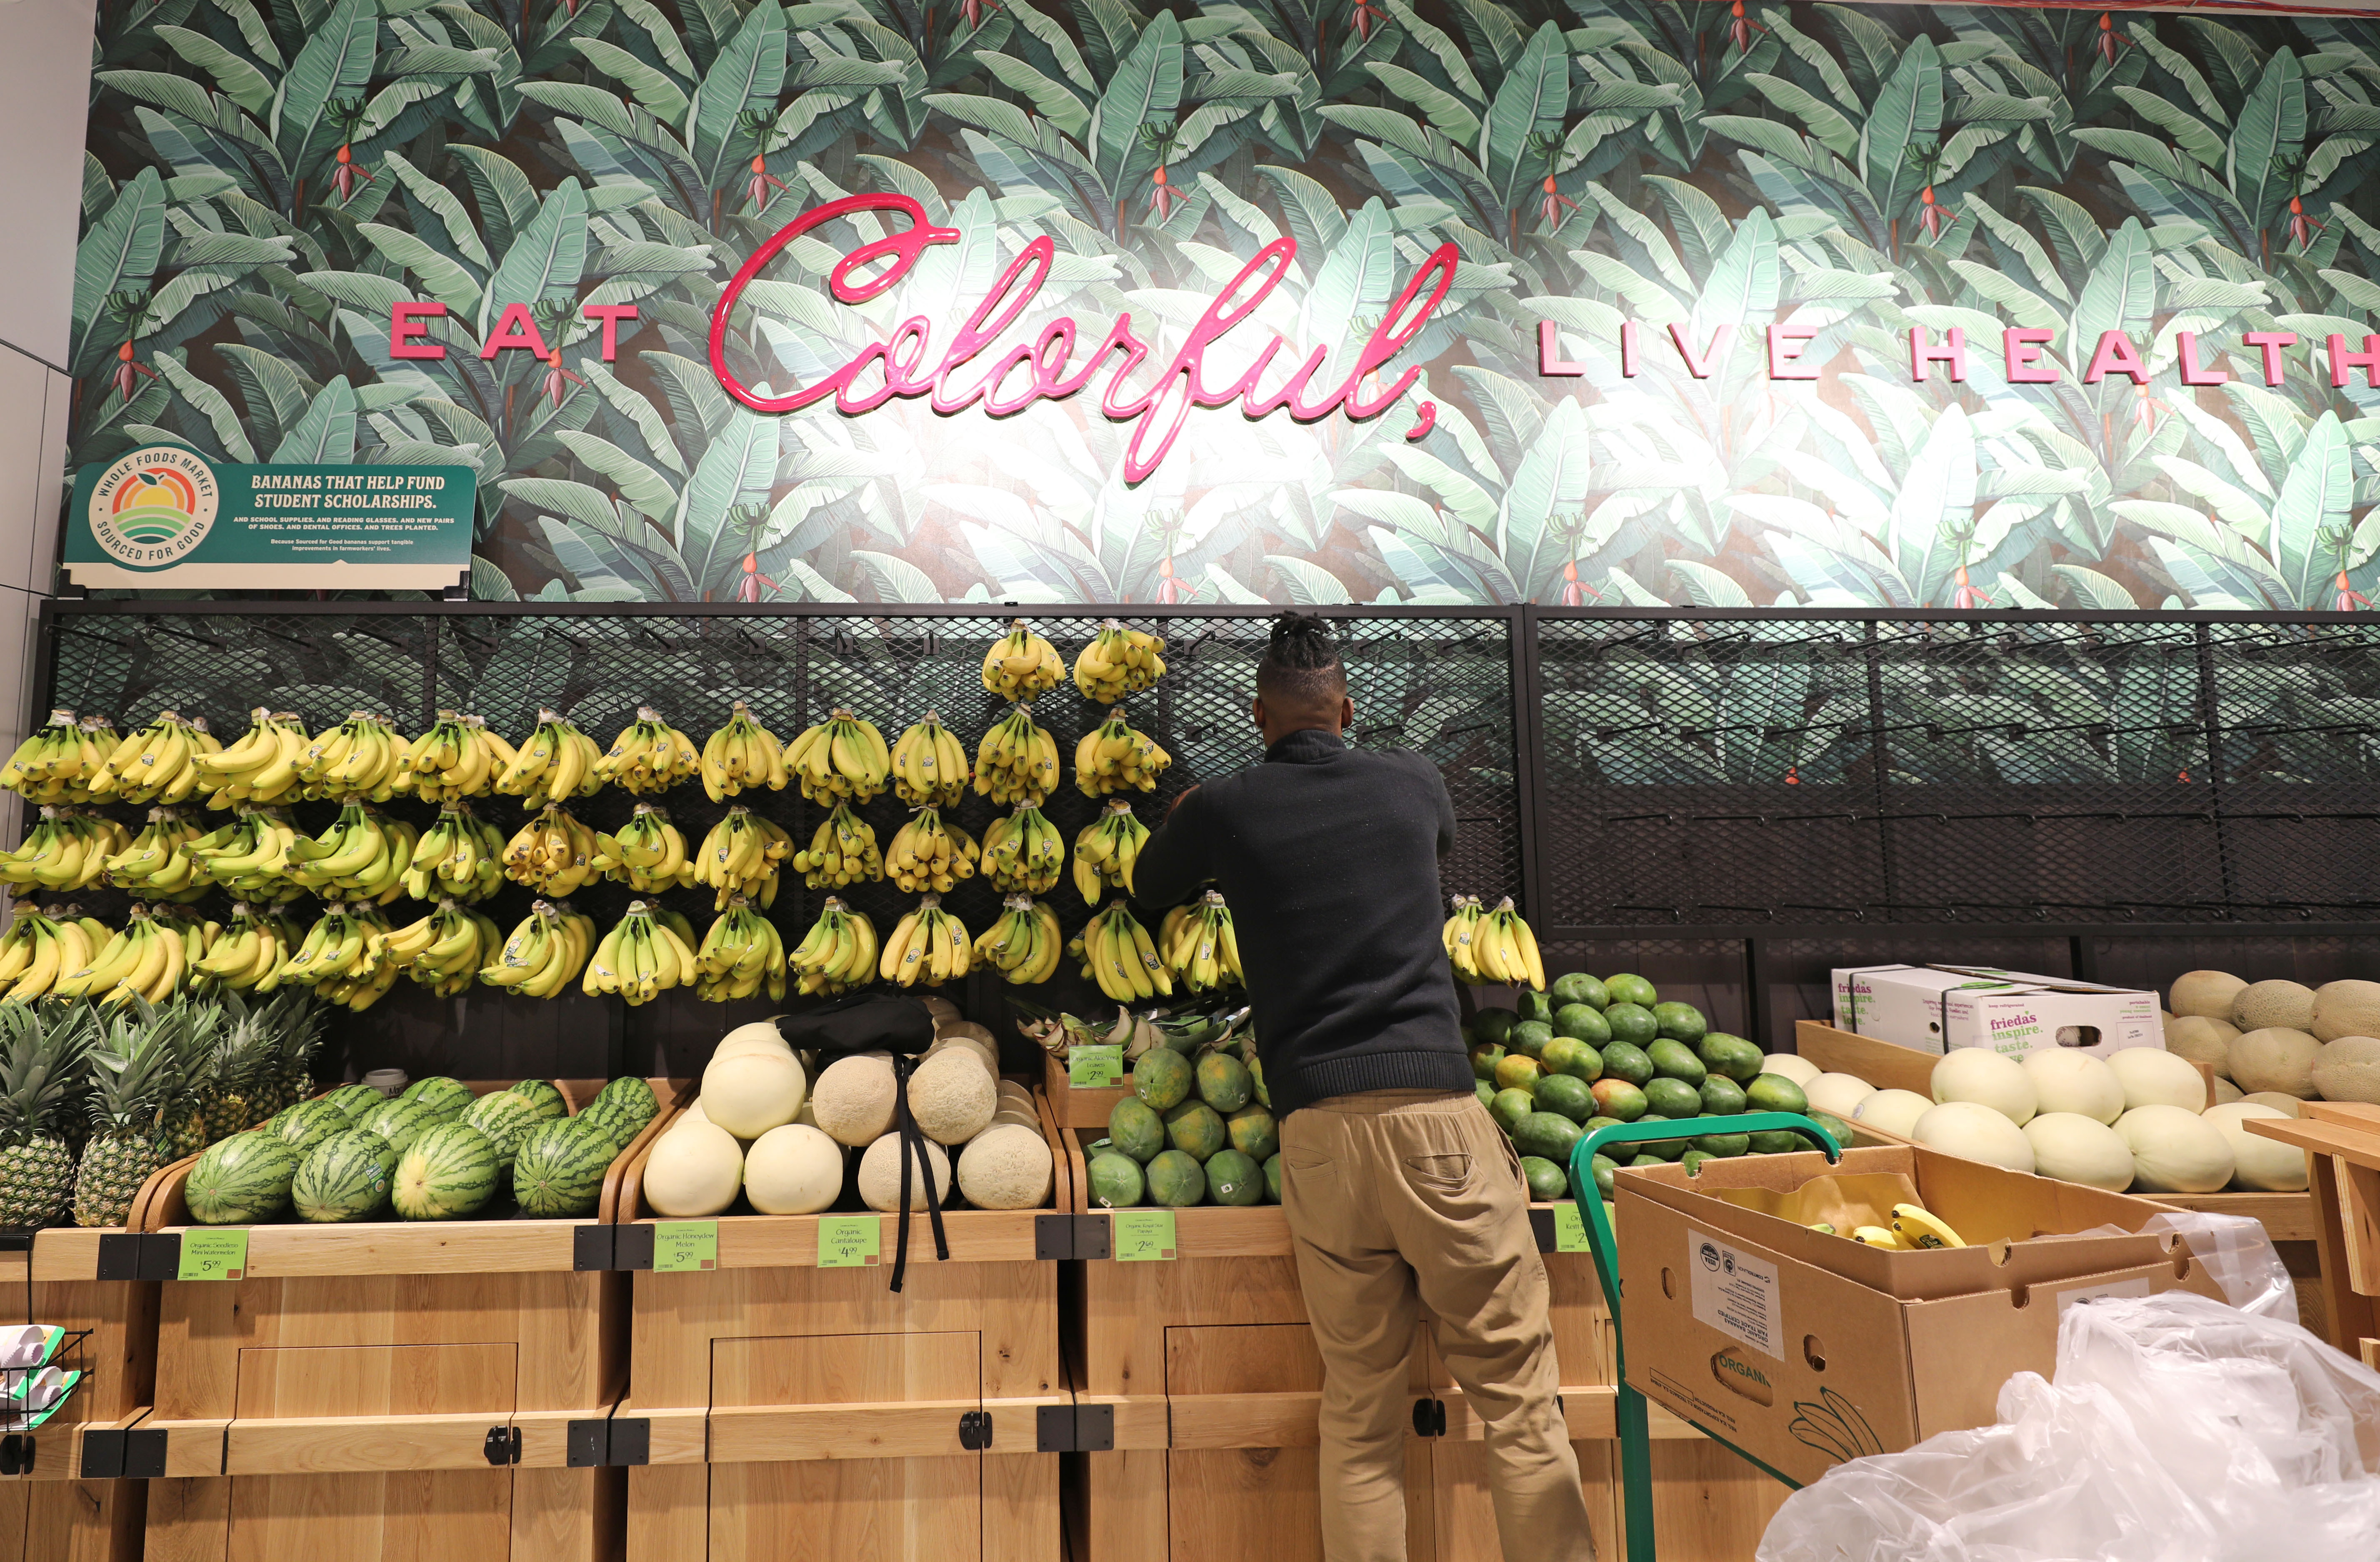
(1397, 1200)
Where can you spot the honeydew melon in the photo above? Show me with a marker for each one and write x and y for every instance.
(1988, 1079)
(1975, 1132)
(2154, 1076)
(2174, 1150)
(2075, 1148)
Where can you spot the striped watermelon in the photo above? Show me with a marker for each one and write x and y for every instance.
(345, 1178)
(242, 1180)
(626, 1105)
(449, 1171)
(542, 1094)
(354, 1099)
(308, 1123)
(399, 1122)
(560, 1169)
(448, 1098)
(505, 1119)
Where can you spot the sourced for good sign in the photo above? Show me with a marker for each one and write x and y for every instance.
(164, 517)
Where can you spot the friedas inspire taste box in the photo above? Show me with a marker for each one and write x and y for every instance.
(1935, 1008)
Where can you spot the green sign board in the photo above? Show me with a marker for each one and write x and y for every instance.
(165, 518)
(685, 1245)
(213, 1255)
(849, 1241)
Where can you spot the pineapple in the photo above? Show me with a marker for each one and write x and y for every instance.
(182, 1132)
(246, 1061)
(135, 1068)
(297, 1020)
(42, 1050)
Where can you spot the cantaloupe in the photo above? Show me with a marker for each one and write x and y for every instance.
(2259, 1165)
(944, 1011)
(1894, 1111)
(1006, 1169)
(880, 1175)
(2073, 1148)
(2154, 1076)
(2066, 1080)
(792, 1170)
(1838, 1094)
(2276, 1058)
(693, 1171)
(1975, 1132)
(2202, 1040)
(952, 1097)
(2209, 992)
(1988, 1079)
(2263, 1006)
(854, 1100)
(1792, 1066)
(2348, 1070)
(753, 1092)
(2227, 1092)
(2286, 1105)
(2346, 1009)
(2175, 1151)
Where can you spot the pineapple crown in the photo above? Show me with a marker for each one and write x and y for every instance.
(137, 1063)
(42, 1061)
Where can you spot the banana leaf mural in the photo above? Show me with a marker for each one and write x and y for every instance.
(2072, 190)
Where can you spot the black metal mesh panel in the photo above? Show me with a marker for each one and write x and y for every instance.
(2299, 707)
(129, 667)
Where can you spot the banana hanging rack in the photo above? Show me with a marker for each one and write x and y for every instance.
(1632, 1418)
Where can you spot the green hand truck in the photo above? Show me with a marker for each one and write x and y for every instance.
(1632, 1421)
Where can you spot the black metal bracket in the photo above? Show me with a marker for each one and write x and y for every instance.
(161, 1255)
(1541, 1225)
(974, 1431)
(631, 1441)
(503, 1446)
(588, 1444)
(1054, 1429)
(632, 1246)
(119, 1255)
(591, 1246)
(17, 1454)
(1054, 1237)
(144, 1454)
(1429, 1417)
(103, 1453)
(1094, 1236)
(1093, 1428)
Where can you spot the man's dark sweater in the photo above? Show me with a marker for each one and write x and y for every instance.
(1328, 858)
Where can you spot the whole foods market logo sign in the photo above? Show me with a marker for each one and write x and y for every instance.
(148, 509)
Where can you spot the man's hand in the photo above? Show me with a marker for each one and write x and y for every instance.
(1177, 802)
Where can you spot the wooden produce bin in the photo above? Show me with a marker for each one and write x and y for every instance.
(395, 1391)
(2342, 1139)
(786, 1411)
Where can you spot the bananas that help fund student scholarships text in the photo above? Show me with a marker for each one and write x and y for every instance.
(363, 853)
(1493, 946)
(557, 763)
(1017, 761)
(838, 954)
(445, 950)
(929, 765)
(927, 853)
(1025, 945)
(544, 954)
(554, 854)
(740, 955)
(843, 758)
(1118, 953)
(1113, 756)
(648, 756)
(1118, 662)
(38, 952)
(457, 759)
(461, 857)
(1105, 850)
(929, 947)
(651, 951)
(740, 856)
(156, 764)
(741, 754)
(1021, 665)
(249, 856)
(66, 849)
(1023, 853)
(247, 951)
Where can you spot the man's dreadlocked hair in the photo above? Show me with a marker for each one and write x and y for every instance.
(1301, 665)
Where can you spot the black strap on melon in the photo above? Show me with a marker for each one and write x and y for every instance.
(913, 1145)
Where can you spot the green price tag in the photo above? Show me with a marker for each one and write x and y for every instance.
(1094, 1067)
(1569, 1229)
(213, 1255)
(1144, 1236)
(849, 1241)
(682, 1247)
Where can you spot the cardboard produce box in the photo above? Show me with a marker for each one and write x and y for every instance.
(1805, 1349)
(1935, 1008)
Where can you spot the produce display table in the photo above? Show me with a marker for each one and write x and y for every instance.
(785, 1410)
(388, 1390)
(2342, 1142)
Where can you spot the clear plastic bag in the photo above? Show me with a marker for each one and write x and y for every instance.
(2178, 1430)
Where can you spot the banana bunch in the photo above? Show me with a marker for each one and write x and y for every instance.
(546, 951)
(338, 959)
(1105, 850)
(249, 856)
(443, 951)
(246, 951)
(462, 856)
(929, 766)
(929, 854)
(1018, 761)
(38, 952)
(1118, 953)
(364, 853)
(148, 959)
(155, 866)
(557, 762)
(649, 755)
(1200, 947)
(648, 853)
(1493, 945)
(651, 951)
(839, 954)
(554, 854)
(741, 954)
(262, 767)
(842, 757)
(1118, 662)
(67, 849)
(742, 754)
(1020, 664)
(362, 757)
(928, 945)
(1025, 943)
(458, 758)
(156, 764)
(1113, 756)
(1024, 853)
(59, 762)
(740, 856)
(843, 851)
